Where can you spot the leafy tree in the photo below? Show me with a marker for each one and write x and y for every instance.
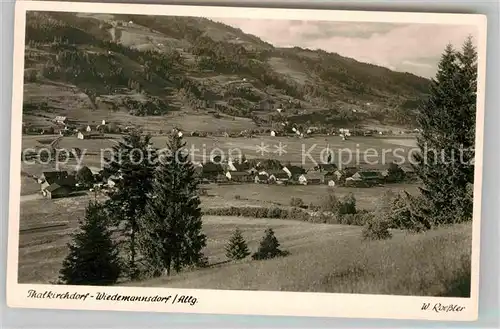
(85, 176)
(269, 247)
(446, 142)
(171, 229)
(237, 247)
(134, 161)
(348, 205)
(395, 173)
(93, 258)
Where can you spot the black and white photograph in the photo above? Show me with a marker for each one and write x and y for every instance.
(285, 154)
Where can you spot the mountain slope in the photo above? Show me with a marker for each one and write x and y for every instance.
(160, 72)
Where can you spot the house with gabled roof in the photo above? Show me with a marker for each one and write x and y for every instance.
(261, 179)
(277, 176)
(312, 178)
(239, 176)
(56, 191)
(62, 178)
(370, 177)
(294, 171)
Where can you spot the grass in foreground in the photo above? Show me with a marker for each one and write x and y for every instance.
(436, 263)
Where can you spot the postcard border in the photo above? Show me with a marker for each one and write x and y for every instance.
(225, 301)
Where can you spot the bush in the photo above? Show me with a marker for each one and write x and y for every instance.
(376, 230)
(269, 247)
(296, 202)
(348, 205)
(237, 247)
(237, 197)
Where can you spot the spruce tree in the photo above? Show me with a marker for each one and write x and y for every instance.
(269, 247)
(134, 161)
(93, 258)
(237, 247)
(446, 141)
(171, 229)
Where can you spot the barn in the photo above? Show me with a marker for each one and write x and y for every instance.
(56, 191)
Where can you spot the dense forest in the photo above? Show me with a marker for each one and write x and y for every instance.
(162, 64)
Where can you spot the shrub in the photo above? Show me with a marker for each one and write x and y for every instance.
(296, 202)
(376, 230)
(237, 197)
(237, 247)
(348, 205)
(269, 247)
(330, 203)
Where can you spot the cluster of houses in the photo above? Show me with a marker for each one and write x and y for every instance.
(271, 172)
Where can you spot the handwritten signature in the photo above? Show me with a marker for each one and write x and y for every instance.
(439, 308)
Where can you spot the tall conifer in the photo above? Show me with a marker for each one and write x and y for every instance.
(93, 257)
(171, 230)
(447, 120)
(134, 162)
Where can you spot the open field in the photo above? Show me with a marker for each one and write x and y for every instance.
(268, 195)
(333, 258)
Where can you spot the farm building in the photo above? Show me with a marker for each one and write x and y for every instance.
(88, 135)
(60, 119)
(221, 178)
(294, 171)
(252, 171)
(261, 179)
(277, 176)
(239, 176)
(327, 167)
(370, 177)
(56, 191)
(212, 170)
(234, 166)
(62, 178)
(312, 178)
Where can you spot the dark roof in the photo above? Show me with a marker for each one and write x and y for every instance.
(296, 170)
(241, 166)
(212, 167)
(278, 173)
(53, 187)
(59, 177)
(239, 173)
(314, 175)
(327, 166)
(369, 174)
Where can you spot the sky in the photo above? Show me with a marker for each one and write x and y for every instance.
(414, 48)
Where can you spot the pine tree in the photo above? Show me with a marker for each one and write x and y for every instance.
(93, 258)
(269, 247)
(447, 119)
(171, 230)
(237, 247)
(134, 161)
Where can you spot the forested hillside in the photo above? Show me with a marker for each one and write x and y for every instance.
(124, 67)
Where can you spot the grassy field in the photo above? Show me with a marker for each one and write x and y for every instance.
(268, 195)
(333, 258)
(324, 258)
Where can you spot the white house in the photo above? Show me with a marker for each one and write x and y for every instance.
(273, 133)
(103, 122)
(179, 134)
(88, 129)
(230, 166)
(60, 119)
